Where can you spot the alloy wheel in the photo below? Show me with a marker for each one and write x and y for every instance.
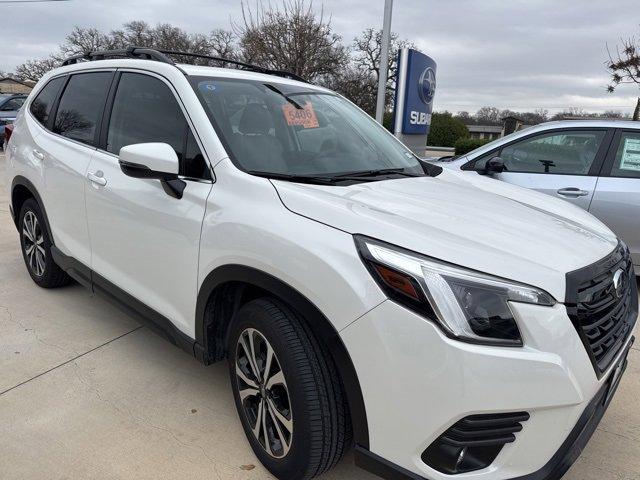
(33, 243)
(264, 394)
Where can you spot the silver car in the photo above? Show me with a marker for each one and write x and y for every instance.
(591, 163)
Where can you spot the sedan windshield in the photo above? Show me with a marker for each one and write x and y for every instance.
(289, 132)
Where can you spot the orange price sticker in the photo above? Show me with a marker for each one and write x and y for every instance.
(304, 116)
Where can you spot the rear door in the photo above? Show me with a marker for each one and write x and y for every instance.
(144, 241)
(64, 153)
(617, 198)
(563, 163)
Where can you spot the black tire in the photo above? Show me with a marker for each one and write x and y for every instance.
(44, 272)
(321, 428)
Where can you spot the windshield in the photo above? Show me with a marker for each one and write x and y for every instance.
(289, 130)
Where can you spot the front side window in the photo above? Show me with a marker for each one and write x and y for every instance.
(81, 106)
(566, 152)
(43, 103)
(145, 111)
(627, 159)
(291, 130)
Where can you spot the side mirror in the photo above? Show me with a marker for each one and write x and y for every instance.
(153, 161)
(494, 165)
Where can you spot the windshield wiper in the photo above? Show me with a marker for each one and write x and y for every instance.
(323, 180)
(376, 173)
(276, 90)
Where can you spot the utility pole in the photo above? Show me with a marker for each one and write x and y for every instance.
(384, 60)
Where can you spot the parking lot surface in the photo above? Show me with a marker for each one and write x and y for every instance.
(87, 393)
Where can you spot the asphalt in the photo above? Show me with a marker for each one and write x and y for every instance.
(87, 393)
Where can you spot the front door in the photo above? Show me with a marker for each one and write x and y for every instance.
(143, 240)
(561, 163)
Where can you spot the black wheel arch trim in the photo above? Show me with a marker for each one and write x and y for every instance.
(19, 180)
(317, 321)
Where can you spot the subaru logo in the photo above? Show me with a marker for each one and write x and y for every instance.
(427, 85)
(618, 282)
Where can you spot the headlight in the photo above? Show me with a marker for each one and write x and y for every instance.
(468, 305)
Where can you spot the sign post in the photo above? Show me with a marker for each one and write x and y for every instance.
(415, 89)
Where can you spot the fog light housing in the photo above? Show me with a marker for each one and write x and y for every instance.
(473, 443)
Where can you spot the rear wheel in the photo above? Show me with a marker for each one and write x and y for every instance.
(287, 392)
(36, 248)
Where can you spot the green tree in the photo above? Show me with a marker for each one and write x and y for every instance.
(446, 130)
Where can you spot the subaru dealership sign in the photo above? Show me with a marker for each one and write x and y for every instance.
(415, 89)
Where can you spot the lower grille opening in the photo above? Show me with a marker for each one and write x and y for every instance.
(474, 442)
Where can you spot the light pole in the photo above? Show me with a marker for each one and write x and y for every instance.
(384, 60)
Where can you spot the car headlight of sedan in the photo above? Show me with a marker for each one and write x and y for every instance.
(469, 305)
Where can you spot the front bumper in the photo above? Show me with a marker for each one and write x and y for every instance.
(417, 383)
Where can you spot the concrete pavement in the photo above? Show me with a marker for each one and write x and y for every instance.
(86, 393)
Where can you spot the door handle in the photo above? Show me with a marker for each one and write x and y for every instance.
(38, 154)
(572, 192)
(97, 178)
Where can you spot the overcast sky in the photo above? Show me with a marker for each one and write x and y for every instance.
(517, 54)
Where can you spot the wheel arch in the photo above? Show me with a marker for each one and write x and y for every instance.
(21, 190)
(232, 282)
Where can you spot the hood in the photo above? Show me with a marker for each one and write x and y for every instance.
(471, 221)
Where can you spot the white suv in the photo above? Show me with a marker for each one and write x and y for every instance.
(448, 326)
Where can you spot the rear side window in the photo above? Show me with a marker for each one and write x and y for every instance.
(43, 103)
(145, 110)
(81, 106)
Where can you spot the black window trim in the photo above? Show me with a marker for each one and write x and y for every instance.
(596, 166)
(610, 159)
(106, 118)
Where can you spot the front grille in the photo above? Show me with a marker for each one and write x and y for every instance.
(474, 442)
(604, 315)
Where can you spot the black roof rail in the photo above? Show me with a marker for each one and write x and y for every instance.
(238, 63)
(129, 52)
(163, 56)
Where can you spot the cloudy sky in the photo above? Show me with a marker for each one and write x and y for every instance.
(517, 54)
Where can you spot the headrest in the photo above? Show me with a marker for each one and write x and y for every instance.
(255, 120)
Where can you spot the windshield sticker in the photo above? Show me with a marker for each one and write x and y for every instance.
(304, 117)
(208, 87)
(631, 155)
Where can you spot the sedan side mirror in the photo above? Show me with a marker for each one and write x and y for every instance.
(493, 165)
(154, 161)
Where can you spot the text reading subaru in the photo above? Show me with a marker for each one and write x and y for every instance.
(446, 326)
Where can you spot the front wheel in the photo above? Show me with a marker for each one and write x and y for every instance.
(287, 392)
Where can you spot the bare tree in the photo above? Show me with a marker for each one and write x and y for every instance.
(357, 85)
(625, 68)
(34, 69)
(291, 37)
(367, 50)
(222, 43)
(137, 33)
